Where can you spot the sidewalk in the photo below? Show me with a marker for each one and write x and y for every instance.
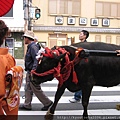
(19, 61)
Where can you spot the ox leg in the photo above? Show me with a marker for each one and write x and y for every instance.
(86, 91)
(59, 93)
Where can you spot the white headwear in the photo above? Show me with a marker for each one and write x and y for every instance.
(36, 38)
(29, 34)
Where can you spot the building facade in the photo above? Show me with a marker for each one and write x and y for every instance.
(15, 21)
(62, 20)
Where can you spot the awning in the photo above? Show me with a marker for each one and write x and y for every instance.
(16, 29)
(76, 29)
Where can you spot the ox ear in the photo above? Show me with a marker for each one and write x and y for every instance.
(61, 57)
(53, 48)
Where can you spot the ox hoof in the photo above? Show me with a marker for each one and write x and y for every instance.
(49, 116)
(118, 106)
(85, 118)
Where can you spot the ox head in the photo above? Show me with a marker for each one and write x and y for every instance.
(47, 66)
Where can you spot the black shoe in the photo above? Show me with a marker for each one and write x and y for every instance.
(22, 107)
(45, 108)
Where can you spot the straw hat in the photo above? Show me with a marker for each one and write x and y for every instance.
(29, 34)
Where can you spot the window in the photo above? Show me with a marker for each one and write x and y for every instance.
(114, 10)
(99, 9)
(97, 38)
(10, 44)
(108, 39)
(118, 40)
(52, 6)
(10, 13)
(57, 40)
(64, 7)
(107, 9)
(118, 10)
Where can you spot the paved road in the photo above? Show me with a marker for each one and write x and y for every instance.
(102, 102)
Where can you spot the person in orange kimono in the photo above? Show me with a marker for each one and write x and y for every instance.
(10, 76)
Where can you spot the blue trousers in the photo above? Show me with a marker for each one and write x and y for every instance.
(78, 95)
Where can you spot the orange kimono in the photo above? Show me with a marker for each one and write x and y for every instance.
(10, 83)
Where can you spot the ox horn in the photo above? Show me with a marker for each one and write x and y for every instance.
(39, 61)
(42, 45)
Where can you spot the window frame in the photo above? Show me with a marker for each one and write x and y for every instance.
(9, 14)
(66, 3)
(100, 9)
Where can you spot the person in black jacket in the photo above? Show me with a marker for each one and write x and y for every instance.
(30, 64)
(77, 96)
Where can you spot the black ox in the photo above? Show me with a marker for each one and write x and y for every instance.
(92, 69)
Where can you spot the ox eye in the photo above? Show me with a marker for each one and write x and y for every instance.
(45, 64)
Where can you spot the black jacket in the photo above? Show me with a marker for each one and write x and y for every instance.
(30, 57)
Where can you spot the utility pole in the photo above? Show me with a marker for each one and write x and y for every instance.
(27, 5)
(30, 13)
(29, 19)
(26, 18)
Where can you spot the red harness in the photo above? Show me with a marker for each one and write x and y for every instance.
(62, 74)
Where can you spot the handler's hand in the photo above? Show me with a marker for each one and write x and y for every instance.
(118, 51)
